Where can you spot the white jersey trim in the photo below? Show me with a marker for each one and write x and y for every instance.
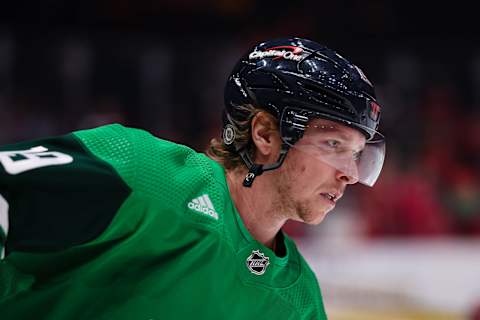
(3, 222)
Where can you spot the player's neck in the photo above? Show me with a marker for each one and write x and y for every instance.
(255, 206)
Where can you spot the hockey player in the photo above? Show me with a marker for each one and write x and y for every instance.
(113, 223)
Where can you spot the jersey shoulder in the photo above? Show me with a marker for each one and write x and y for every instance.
(112, 144)
(182, 179)
(177, 177)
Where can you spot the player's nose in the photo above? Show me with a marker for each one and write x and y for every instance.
(347, 178)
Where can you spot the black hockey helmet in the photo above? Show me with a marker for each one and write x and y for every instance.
(298, 80)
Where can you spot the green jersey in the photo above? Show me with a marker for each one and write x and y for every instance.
(114, 223)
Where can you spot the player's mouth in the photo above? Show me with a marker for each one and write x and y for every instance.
(332, 197)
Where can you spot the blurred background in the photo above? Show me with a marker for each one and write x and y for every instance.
(409, 248)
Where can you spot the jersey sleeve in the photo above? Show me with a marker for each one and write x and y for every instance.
(54, 193)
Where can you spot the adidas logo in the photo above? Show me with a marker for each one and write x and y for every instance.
(203, 204)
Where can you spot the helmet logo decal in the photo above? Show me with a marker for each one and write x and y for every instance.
(228, 134)
(374, 111)
(363, 76)
(257, 262)
(279, 52)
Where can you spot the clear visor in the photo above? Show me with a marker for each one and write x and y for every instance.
(345, 149)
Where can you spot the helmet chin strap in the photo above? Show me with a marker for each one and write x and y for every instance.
(255, 169)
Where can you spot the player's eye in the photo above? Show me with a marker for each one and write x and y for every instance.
(333, 143)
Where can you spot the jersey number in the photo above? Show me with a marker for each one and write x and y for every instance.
(19, 161)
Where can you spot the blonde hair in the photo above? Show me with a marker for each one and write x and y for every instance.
(225, 154)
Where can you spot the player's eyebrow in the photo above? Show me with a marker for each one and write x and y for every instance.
(333, 129)
(342, 134)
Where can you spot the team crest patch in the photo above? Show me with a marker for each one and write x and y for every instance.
(257, 262)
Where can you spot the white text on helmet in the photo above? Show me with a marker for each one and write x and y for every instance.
(287, 55)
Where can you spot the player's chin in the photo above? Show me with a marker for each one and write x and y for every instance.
(315, 216)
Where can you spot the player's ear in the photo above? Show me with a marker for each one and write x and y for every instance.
(266, 137)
